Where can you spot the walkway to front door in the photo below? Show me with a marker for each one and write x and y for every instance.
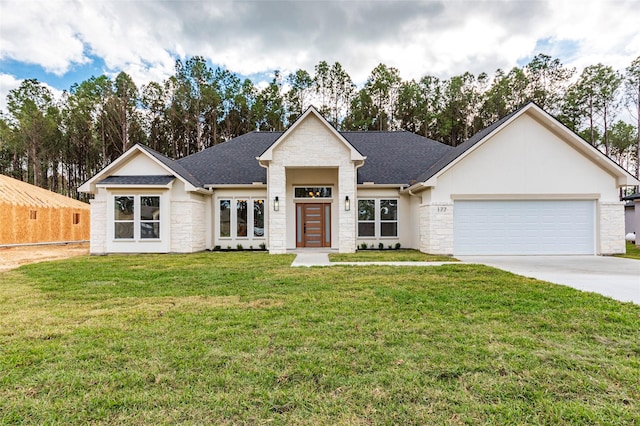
(313, 225)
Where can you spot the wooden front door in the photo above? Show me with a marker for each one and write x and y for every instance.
(313, 225)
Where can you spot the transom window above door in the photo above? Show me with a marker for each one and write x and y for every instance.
(312, 192)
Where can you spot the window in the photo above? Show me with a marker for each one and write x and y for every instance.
(123, 211)
(76, 218)
(33, 214)
(388, 218)
(136, 217)
(312, 192)
(225, 218)
(150, 217)
(245, 219)
(241, 218)
(366, 218)
(377, 218)
(258, 218)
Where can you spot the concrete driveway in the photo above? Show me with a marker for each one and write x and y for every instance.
(610, 276)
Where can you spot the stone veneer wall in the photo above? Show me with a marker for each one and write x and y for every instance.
(188, 227)
(611, 228)
(311, 144)
(97, 241)
(277, 233)
(436, 228)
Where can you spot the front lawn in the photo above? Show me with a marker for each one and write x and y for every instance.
(633, 252)
(242, 338)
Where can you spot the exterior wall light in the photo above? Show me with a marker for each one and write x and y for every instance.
(276, 204)
(347, 203)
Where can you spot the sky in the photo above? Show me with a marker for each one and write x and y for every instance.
(64, 42)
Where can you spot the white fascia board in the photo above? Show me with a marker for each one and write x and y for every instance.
(129, 186)
(238, 185)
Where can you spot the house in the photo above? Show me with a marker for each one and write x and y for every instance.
(30, 215)
(524, 185)
(632, 215)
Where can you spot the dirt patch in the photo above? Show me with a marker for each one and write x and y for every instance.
(12, 257)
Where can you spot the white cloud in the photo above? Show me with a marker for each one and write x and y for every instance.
(7, 83)
(442, 38)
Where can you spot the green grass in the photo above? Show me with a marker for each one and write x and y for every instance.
(242, 338)
(402, 255)
(633, 252)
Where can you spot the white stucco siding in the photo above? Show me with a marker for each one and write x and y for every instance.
(526, 158)
(140, 165)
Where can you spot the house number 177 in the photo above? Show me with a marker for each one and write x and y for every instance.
(442, 209)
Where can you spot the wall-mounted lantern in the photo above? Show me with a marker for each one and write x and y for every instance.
(276, 204)
(347, 203)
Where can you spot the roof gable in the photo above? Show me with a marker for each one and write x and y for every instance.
(267, 155)
(160, 165)
(429, 177)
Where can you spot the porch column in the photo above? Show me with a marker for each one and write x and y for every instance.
(347, 219)
(277, 187)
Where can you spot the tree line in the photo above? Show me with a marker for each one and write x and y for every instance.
(59, 144)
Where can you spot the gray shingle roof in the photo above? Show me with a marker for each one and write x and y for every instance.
(394, 157)
(632, 197)
(137, 180)
(231, 162)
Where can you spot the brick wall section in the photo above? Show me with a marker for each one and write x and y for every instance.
(611, 228)
(97, 240)
(436, 228)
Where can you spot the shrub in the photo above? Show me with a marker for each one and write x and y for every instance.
(363, 246)
(217, 248)
(397, 246)
(239, 247)
(380, 246)
(263, 246)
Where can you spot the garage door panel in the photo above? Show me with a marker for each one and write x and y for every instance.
(524, 227)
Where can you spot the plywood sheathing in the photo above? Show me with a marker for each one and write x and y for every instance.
(54, 215)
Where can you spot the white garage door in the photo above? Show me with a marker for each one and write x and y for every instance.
(524, 227)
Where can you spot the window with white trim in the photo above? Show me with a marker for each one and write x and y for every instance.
(136, 217)
(241, 218)
(377, 218)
